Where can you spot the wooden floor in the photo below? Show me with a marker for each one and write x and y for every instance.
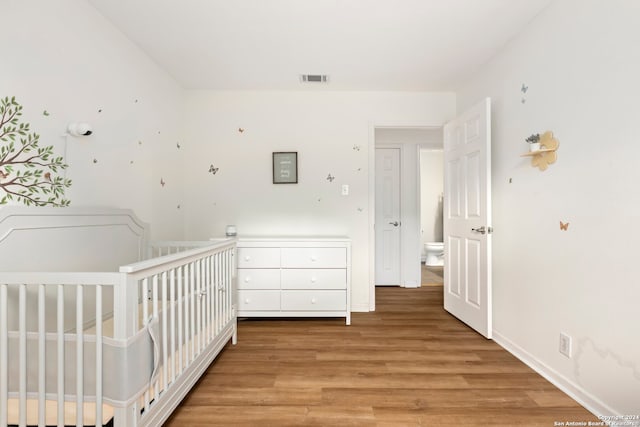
(407, 364)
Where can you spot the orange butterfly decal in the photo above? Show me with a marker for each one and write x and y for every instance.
(564, 226)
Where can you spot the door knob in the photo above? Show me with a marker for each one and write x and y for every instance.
(395, 223)
(480, 230)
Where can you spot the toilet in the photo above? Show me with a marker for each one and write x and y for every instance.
(435, 254)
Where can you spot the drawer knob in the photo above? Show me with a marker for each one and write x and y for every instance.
(314, 279)
(247, 301)
(247, 279)
(314, 258)
(247, 258)
(313, 300)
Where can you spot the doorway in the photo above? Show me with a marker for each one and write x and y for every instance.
(402, 246)
(431, 184)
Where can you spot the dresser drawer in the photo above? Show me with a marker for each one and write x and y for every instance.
(314, 257)
(314, 300)
(331, 278)
(258, 278)
(258, 257)
(258, 300)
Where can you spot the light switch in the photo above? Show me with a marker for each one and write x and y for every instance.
(345, 189)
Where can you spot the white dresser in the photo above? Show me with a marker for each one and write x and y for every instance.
(294, 277)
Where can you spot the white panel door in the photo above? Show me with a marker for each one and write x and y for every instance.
(387, 225)
(467, 218)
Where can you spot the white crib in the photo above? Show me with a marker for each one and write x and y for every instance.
(94, 347)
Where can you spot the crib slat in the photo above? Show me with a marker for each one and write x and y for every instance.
(165, 338)
(42, 354)
(145, 321)
(22, 327)
(98, 356)
(198, 305)
(4, 355)
(79, 355)
(172, 323)
(193, 311)
(219, 293)
(223, 287)
(60, 342)
(229, 285)
(209, 292)
(154, 291)
(180, 320)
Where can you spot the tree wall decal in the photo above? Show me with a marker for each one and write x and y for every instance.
(27, 171)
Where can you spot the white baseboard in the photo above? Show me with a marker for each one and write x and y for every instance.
(575, 391)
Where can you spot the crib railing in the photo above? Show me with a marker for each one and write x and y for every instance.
(182, 303)
(191, 295)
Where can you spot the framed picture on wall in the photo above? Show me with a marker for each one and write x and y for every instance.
(285, 167)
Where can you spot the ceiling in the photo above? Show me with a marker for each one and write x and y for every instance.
(403, 45)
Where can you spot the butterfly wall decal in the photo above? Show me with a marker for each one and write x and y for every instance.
(524, 88)
(213, 169)
(330, 178)
(178, 145)
(240, 130)
(564, 226)
(45, 113)
(356, 148)
(162, 182)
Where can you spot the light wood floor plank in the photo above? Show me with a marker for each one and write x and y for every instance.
(408, 364)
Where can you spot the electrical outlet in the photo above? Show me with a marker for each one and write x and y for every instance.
(345, 189)
(565, 344)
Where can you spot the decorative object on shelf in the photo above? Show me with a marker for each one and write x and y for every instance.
(534, 142)
(285, 167)
(231, 231)
(546, 155)
(564, 226)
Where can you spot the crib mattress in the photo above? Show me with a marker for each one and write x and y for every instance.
(51, 411)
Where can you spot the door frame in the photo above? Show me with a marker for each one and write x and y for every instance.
(372, 194)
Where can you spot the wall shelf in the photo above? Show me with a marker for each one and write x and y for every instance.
(537, 152)
(546, 155)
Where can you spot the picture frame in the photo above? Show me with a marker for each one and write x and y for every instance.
(285, 167)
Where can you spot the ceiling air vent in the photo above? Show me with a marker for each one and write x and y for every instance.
(314, 78)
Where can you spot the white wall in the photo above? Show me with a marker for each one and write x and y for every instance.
(65, 58)
(581, 62)
(431, 189)
(332, 133)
